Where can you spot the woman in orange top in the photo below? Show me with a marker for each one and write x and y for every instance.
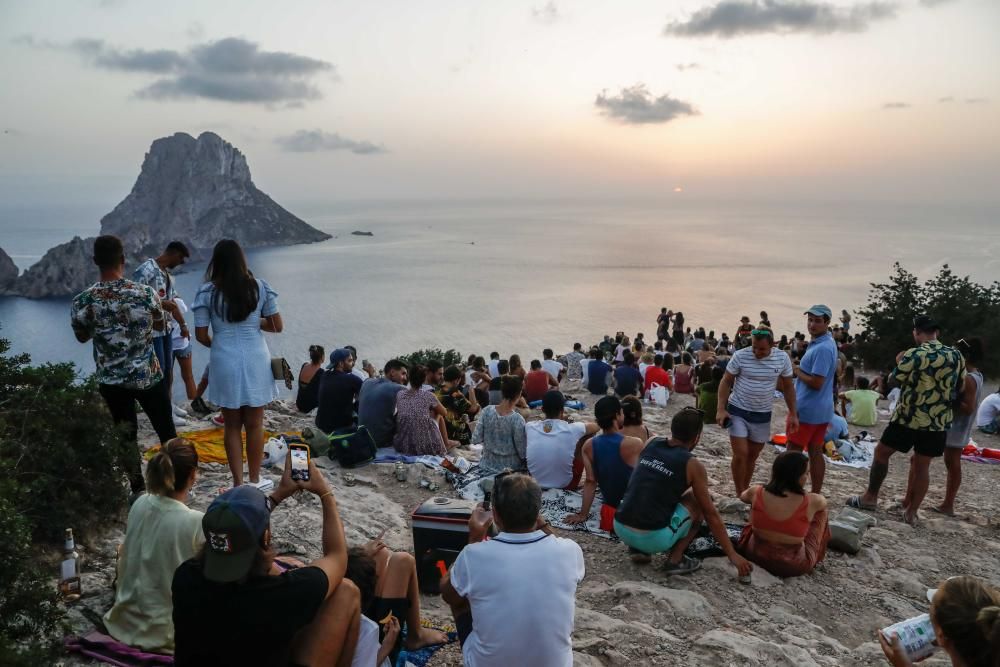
(788, 530)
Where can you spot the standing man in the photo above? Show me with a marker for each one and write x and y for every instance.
(377, 402)
(155, 272)
(931, 377)
(745, 398)
(814, 378)
(120, 316)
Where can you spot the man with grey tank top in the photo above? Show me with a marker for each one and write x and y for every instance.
(965, 416)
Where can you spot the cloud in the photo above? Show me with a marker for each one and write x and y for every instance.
(734, 18)
(684, 67)
(312, 141)
(231, 70)
(934, 3)
(635, 105)
(548, 14)
(896, 105)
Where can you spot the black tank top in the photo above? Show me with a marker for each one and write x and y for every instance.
(656, 486)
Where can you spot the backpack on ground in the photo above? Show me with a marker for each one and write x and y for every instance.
(353, 447)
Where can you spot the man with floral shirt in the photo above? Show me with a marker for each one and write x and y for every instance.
(154, 272)
(120, 316)
(930, 377)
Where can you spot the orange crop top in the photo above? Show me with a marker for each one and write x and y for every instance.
(797, 525)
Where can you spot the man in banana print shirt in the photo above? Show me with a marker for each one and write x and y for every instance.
(929, 376)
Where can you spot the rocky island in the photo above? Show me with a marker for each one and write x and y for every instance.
(192, 190)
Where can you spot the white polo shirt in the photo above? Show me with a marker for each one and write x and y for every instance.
(522, 590)
(550, 450)
(553, 368)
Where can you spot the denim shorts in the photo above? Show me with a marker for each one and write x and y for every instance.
(660, 540)
(185, 353)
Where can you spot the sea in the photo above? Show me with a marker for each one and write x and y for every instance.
(520, 276)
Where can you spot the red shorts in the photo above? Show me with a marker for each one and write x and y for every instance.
(608, 517)
(809, 436)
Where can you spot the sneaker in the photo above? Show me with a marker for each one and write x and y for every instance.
(179, 411)
(179, 421)
(219, 420)
(686, 566)
(264, 485)
(198, 407)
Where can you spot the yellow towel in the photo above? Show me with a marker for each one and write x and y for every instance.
(210, 444)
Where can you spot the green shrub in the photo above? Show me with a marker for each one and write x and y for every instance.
(962, 307)
(62, 465)
(447, 358)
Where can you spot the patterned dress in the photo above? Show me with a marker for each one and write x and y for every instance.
(505, 443)
(417, 431)
(118, 316)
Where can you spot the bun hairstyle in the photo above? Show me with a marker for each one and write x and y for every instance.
(967, 610)
(317, 354)
(171, 468)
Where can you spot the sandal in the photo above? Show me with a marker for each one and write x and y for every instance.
(686, 566)
(941, 511)
(855, 502)
(638, 557)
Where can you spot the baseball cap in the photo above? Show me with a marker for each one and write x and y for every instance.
(607, 407)
(925, 323)
(819, 310)
(338, 355)
(553, 402)
(233, 527)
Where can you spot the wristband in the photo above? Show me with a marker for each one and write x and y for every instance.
(329, 492)
(271, 503)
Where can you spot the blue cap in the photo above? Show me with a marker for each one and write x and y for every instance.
(338, 355)
(234, 525)
(820, 310)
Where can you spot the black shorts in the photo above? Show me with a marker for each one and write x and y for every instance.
(903, 439)
(463, 626)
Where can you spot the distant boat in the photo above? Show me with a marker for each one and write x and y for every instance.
(356, 233)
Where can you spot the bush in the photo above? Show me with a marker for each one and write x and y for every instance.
(447, 358)
(962, 307)
(62, 465)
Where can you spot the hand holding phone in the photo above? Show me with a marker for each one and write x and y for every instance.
(299, 454)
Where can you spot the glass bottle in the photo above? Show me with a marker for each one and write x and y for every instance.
(69, 570)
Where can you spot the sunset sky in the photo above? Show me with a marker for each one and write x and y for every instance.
(709, 99)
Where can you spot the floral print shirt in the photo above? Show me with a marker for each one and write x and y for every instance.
(118, 316)
(150, 273)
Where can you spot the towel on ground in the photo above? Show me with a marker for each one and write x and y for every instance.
(211, 445)
(422, 656)
(390, 455)
(105, 648)
(864, 452)
(706, 546)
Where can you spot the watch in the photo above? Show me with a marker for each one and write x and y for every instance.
(271, 503)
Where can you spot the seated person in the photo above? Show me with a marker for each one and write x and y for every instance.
(608, 459)
(230, 608)
(477, 378)
(377, 402)
(552, 367)
(645, 363)
(863, 404)
(659, 373)
(500, 430)
(708, 395)
(598, 372)
(435, 375)
(537, 382)
(503, 368)
(837, 430)
(628, 380)
(666, 499)
(965, 613)
(554, 444)
(633, 425)
(514, 596)
(310, 375)
(387, 582)
(988, 415)
(416, 413)
(460, 405)
(684, 375)
(788, 529)
(162, 533)
(338, 393)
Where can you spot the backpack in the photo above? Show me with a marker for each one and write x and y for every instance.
(353, 447)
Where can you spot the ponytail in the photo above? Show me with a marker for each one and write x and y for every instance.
(316, 354)
(172, 467)
(967, 610)
(988, 621)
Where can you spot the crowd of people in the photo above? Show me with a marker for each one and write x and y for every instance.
(178, 567)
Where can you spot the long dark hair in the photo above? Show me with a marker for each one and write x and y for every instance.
(786, 474)
(236, 291)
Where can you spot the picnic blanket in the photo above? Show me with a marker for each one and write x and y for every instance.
(105, 648)
(422, 656)
(865, 449)
(556, 503)
(390, 455)
(210, 444)
(706, 546)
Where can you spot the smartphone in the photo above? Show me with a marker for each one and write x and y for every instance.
(300, 461)
(727, 422)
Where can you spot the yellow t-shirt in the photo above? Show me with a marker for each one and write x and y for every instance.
(864, 404)
(161, 534)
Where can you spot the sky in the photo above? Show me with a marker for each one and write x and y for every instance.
(825, 100)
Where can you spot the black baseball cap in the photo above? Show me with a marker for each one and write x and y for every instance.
(925, 323)
(234, 525)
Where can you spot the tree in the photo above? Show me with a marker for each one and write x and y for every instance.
(447, 358)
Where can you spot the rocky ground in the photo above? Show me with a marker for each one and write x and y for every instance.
(634, 614)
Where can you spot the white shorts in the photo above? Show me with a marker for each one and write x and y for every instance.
(741, 428)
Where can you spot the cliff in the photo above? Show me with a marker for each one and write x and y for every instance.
(196, 191)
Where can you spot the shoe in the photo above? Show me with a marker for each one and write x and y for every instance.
(264, 485)
(686, 566)
(219, 420)
(179, 422)
(179, 411)
(198, 407)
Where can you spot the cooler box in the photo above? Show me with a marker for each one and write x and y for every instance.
(440, 532)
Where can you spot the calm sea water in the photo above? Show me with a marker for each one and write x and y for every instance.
(518, 277)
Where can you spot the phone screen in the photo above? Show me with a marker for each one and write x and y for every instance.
(300, 463)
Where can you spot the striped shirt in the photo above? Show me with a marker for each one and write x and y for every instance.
(756, 379)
